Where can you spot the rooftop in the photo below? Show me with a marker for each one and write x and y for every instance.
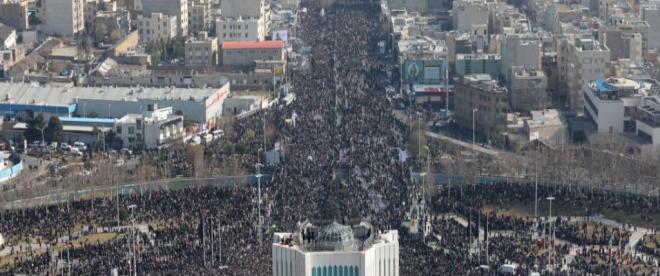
(25, 93)
(233, 45)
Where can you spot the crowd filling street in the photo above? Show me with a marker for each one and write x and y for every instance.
(340, 159)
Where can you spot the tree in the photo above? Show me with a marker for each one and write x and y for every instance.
(34, 127)
(54, 130)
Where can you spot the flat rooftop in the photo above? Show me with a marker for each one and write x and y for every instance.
(26, 93)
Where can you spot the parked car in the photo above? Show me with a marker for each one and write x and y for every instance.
(64, 147)
(76, 152)
(80, 146)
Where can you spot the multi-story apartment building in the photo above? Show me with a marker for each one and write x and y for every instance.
(520, 50)
(527, 89)
(468, 64)
(201, 52)
(651, 14)
(172, 8)
(64, 17)
(237, 29)
(157, 26)
(14, 13)
(579, 61)
(200, 17)
(481, 101)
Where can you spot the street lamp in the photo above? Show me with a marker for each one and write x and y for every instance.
(473, 131)
(132, 208)
(259, 175)
(552, 236)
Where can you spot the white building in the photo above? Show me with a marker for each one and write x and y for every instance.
(336, 249)
(173, 8)
(64, 17)
(154, 128)
(648, 123)
(156, 26)
(610, 104)
(237, 29)
(547, 125)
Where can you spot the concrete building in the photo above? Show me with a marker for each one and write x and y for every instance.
(14, 13)
(244, 53)
(336, 249)
(200, 16)
(651, 14)
(64, 17)
(579, 62)
(527, 89)
(648, 124)
(172, 8)
(467, 14)
(547, 125)
(155, 128)
(480, 100)
(200, 105)
(468, 64)
(201, 52)
(237, 29)
(610, 104)
(625, 40)
(156, 26)
(523, 50)
(244, 8)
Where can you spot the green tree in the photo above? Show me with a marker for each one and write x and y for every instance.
(34, 127)
(54, 130)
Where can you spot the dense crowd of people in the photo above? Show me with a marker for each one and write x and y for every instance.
(339, 144)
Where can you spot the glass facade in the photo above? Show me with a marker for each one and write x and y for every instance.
(336, 271)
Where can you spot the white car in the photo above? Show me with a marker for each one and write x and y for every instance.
(76, 152)
(64, 147)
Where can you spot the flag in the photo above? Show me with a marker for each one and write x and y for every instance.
(403, 155)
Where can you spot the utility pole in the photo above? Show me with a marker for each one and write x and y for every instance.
(259, 175)
(212, 253)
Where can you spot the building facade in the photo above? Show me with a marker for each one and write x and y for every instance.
(201, 52)
(520, 50)
(244, 53)
(651, 14)
(527, 89)
(200, 17)
(64, 17)
(152, 129)
(611, 104)
(468, 64)
(14, 13)
(172, 8)
(579, 62)
(156, 27)
(481, 101)
(237, 29)
(336, 249)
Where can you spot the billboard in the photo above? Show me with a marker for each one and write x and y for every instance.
(280, 35)
(425, 71)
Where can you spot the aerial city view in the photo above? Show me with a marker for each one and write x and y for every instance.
(330, 137)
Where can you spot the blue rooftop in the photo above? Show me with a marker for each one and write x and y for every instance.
(603, 86)
(87, 120)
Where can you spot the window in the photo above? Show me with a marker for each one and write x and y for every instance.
(118, 129)
(131, 130)
(138, 123)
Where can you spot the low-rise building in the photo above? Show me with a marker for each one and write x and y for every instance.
(244, 53)
(202, 51)
(610, 104)
(648, 123)
(481, 101)
(548, 126)
(152, 129)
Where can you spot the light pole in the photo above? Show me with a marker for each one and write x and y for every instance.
(473, 131)
(552, 236)
(132, 208)
(259, 175)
